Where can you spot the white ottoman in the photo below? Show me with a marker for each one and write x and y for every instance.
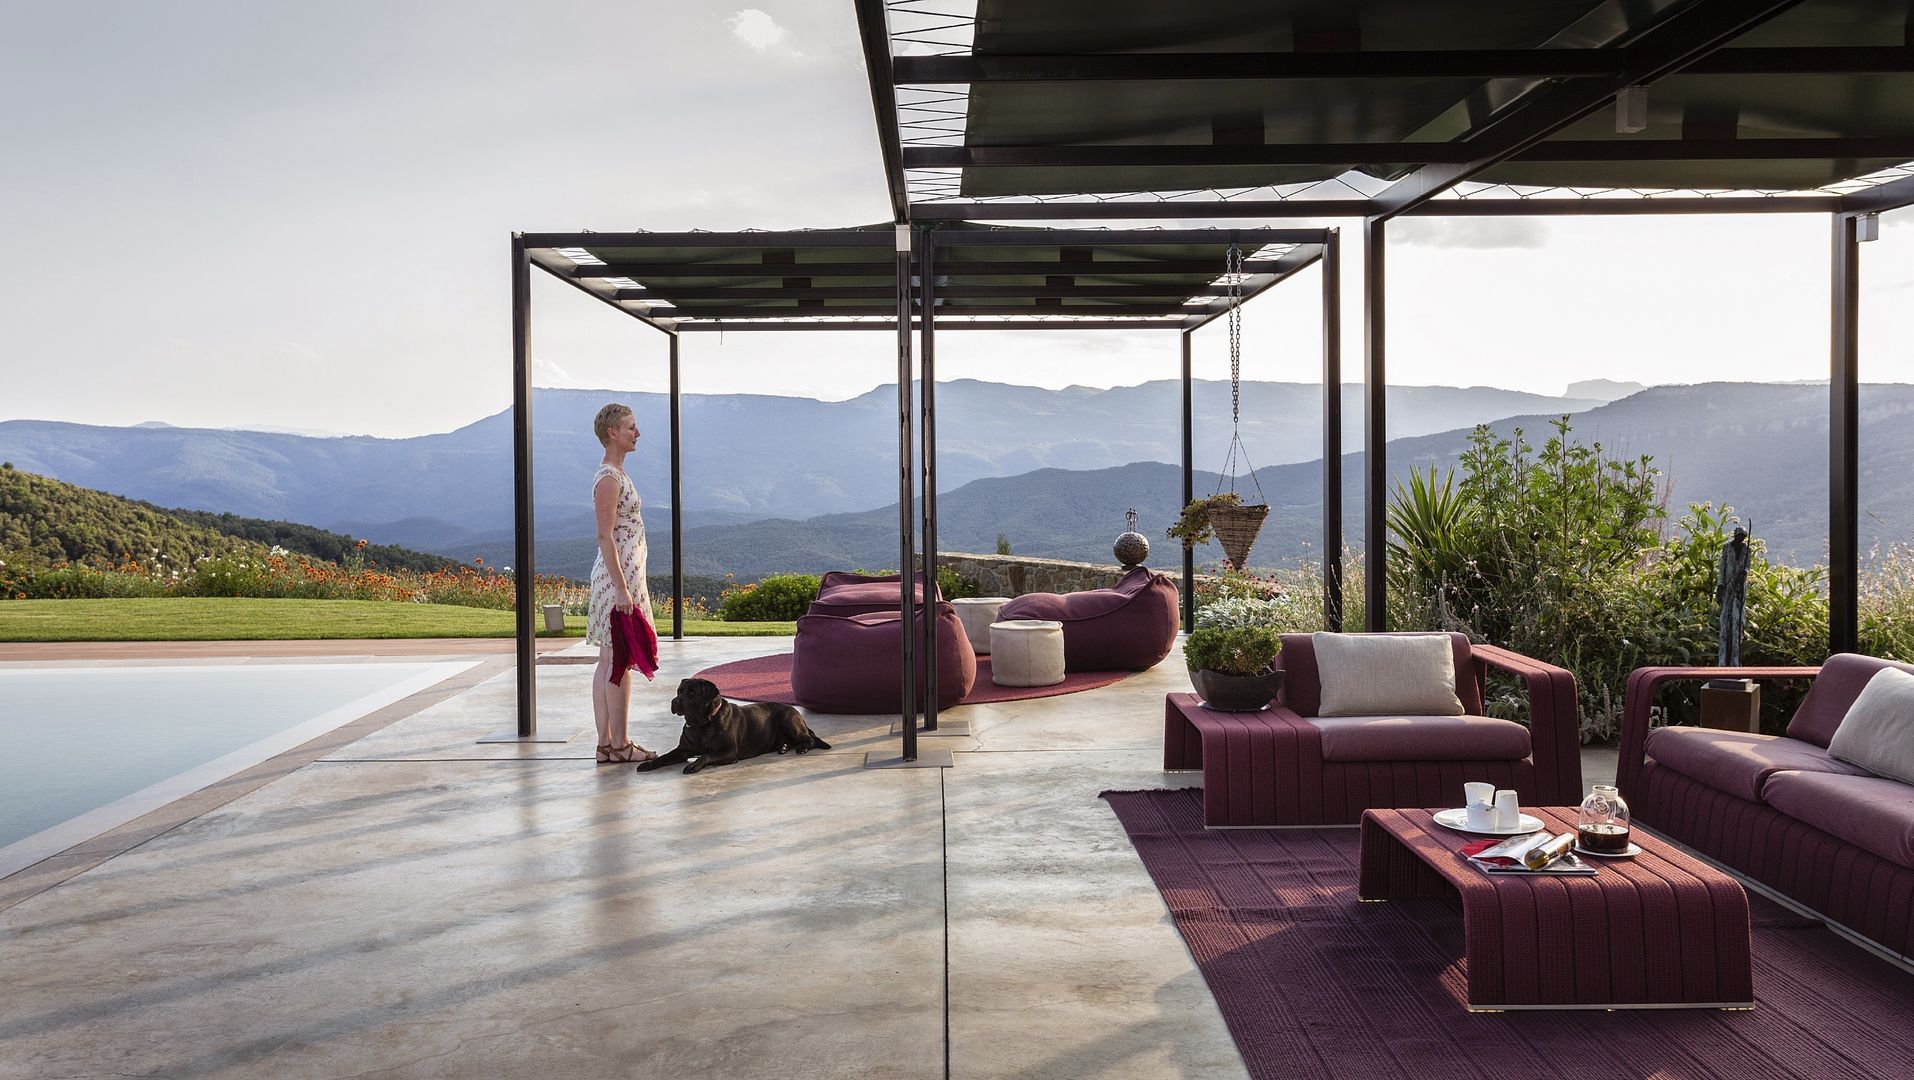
(977, 613)
(1026, 652)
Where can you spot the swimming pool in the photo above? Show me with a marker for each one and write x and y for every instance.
(86, 749)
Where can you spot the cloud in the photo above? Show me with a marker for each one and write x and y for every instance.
(760, 31)
(1478, 233)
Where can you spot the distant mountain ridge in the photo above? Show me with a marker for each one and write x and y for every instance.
(746, 457)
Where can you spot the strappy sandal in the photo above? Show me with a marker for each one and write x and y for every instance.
(630, 754)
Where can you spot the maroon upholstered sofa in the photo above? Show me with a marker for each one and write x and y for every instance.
(1287, 766)
(841, 592)
(1778, 808)
(850, 663)
(1129, 627)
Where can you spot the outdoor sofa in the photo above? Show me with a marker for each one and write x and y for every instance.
(1129, 627)
(1287, 765)
(1779, 808)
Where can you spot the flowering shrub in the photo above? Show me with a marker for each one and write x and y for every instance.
(1236, 612)
(778, 598)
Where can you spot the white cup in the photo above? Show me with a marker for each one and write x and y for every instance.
(1508, 809)
(1478, 799)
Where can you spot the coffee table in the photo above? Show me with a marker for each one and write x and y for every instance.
(1662, 930)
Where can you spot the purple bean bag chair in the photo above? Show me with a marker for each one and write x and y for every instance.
(852, 663)
(1129, 627)
(845, 593)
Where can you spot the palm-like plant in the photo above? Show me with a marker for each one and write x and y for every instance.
(1428, 531)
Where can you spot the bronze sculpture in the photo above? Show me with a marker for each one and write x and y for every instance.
(1731, 592)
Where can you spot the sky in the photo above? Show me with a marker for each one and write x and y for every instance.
(227, 213)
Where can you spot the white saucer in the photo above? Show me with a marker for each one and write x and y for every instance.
(1630, 852)
(1458, 819)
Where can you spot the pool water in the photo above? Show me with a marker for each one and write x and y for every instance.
(84, 749)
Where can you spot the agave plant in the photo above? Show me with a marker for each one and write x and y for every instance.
(1428, 525)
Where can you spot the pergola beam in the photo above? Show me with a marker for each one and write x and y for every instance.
(1289, 265)
(640, 272)
(1419, 153)
(874, 32)
(822, 312)
(1402, 64)
(943, 324)
(1147, 290)
(1540, 206)
(1892, 195)
(1683, 39)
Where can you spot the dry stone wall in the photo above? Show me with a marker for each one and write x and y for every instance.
(1015, 575)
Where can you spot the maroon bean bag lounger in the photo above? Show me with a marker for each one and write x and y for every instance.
(1130, 627)
(850, 663)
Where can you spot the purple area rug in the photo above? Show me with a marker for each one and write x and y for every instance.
(768, 678)
(1314, 984)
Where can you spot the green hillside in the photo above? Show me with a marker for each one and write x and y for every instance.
(43, 520)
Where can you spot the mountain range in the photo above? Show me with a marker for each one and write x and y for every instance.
(793, 484)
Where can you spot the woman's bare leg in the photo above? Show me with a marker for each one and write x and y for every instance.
(600, 708)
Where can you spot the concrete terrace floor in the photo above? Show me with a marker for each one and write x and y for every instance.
(415, 904)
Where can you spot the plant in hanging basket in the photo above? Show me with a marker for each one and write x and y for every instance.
(1197, 526)
(1234, 668)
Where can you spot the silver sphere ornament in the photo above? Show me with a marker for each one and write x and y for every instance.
(1132, 547)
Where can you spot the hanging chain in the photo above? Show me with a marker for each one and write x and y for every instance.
(1233, 275)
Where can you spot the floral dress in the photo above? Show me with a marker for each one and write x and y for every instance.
(628, 539)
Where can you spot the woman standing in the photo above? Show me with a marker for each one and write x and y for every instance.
(617, 581)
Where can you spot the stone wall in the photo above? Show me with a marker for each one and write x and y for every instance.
(1014, 575)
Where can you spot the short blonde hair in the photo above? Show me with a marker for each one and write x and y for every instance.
(608, 416)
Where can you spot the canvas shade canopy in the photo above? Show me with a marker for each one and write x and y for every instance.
(884, 277)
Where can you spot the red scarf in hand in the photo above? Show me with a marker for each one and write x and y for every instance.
(633, 644)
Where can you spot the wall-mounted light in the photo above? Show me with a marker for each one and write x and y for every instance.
(1631, 109)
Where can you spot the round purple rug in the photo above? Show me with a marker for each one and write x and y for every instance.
(768, 678)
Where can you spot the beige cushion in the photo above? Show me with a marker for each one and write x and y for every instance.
(1374, 674)
(1878, 732)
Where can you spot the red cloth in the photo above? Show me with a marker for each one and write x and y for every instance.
(633, 644)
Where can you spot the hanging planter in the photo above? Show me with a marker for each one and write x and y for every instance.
(1234, 523)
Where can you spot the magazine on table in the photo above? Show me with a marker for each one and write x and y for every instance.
(1505, 856)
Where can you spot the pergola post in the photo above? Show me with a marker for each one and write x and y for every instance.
(1375, 433)
(1189, 492)
(677, 503)
(927, 397)
(1844, 422)
(524, 603)
(905, 556)
(1332, 431)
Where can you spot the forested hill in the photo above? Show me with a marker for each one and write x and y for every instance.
(46, 520)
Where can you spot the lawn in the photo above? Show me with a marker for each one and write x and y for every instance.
(188, 618)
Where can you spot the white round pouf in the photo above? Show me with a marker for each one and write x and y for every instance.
(977, 613)
(1026, 652)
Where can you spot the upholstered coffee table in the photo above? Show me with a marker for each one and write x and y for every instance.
(1659, 931)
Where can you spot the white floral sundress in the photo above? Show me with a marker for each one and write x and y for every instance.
(628, 539)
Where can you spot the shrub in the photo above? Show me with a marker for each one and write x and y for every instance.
(1003, 544)
(1243, 650)
(1240, 611)
(778, 598)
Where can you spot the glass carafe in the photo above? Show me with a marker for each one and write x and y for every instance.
(1602, 826)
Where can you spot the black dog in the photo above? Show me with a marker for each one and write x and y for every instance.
(718, 732)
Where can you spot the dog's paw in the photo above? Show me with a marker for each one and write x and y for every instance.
(693, 767)
(804, 749)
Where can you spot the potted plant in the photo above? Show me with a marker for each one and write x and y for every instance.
(1197, 527)
(1234, 668)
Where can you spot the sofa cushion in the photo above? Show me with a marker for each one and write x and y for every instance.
(1738, 762)
(1378, 674)
(1302, 689)
(1878, 732)
(1841, 680)
(1421, 738)
(1871, 812)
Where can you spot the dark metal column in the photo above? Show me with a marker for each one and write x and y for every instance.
(1189, 493)
(1375, 434)
(906, 557)
(677, 503)
(525, 603)
(927, 295)
(1332, 430)
(1844, 424)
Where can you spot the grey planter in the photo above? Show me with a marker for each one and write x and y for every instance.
(1236, 693)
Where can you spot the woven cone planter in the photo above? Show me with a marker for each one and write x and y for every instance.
(1236, 528)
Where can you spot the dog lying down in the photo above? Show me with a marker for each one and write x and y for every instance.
(718, 732)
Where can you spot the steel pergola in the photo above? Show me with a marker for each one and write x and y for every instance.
(886, 278)
(1286, 109)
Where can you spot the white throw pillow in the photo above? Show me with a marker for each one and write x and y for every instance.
(1878, 732)
(1378, 674)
